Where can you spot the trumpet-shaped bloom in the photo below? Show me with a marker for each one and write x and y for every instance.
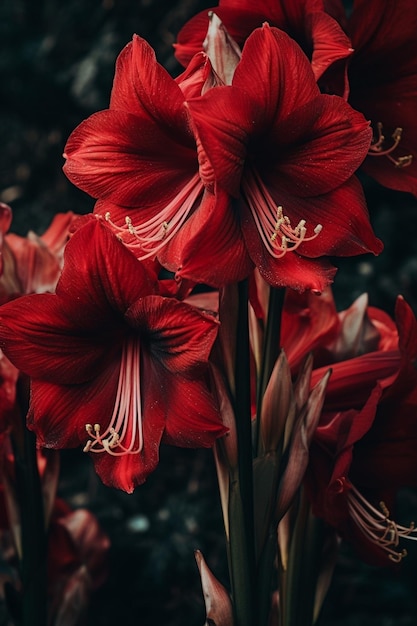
(114, 366)
(256, 172)
(383, 86)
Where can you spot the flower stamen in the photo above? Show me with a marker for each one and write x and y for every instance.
(124, 434)
(277, 234)
(377, 526)
(147, 238)
(378, 148)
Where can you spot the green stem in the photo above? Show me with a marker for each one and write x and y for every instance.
(266, 580)
(242, 543)
(300, 579)
(33, 536)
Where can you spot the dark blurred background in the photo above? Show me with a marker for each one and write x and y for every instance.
(56, 66)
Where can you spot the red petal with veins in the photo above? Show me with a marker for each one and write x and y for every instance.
(273, 70)
(320, 146)
(125, 158)
(291, 270)
(49, 418)
(193, 419)
(36, 332)
(59, 412)
(342, 213)
(330, 43)
(407, 328)
(100, 270)
(180, 336)
(144, 88)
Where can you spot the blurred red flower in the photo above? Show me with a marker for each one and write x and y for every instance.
(306, 21)
(363, 450)
(382, 76)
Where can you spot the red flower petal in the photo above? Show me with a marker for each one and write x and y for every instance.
(351, 381)
(59, 413)
(291, 270)
(209, 248)
(180, 336)
(315, 31)
(342, 213)
(100, 271)
(330, 43)
(39, 338)
(144, 88)
(383, 83)
(125, 158)
(322, 145)
(193, 420)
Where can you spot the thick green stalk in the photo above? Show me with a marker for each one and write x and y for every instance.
(242, 543)
(33, 536)
(267, 577)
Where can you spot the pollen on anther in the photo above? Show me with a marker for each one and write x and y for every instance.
(380, 148)
(290, 238)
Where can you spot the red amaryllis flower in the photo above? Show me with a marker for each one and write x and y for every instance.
(383, 86)
(268, 158)
(77, 561)
(319, 35)
(152, 184)
(114, 365)
(363, 450)
(76, 558)
(272, 151)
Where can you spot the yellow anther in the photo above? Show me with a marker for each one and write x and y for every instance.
(289, 237)
(377, 147)
(384, 508)
(404, 161)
